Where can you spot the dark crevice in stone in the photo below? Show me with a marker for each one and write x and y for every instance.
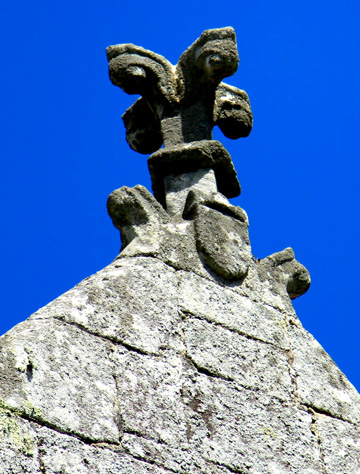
(323, 411)
(40, 459)
(136, 433)
(229, 468)
(117, 415)
(139, 434)
(115, 448)
(106, 338)
(136, 349)
(215, 279)
(316, 434)
(152, 462)
(52, 426)
(293, 376)
(29, 371)
(237, 385)
(224, 326)
(225, 209)
(240, 387)
(207, 372)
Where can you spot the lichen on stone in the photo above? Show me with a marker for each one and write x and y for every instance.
(11, 430)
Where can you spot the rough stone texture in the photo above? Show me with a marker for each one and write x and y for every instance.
(193, 157)
(147, 368)
(221, 233)
(181, 104)
(177, 103)
(184, 355)
(340, 445)
(18, 445)
(54, 379)
(177, 187)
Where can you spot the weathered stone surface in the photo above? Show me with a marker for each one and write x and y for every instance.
(49, 373)
(208, 300)
(180, 105)
(18, 445)
(164, 362)
(340, 445)
(177, 187)
(68, 455)
(177, 103)
(232, 111)
(249, 363)
(184, 355)
(149, 398)
(190, 158)
(226, 429)
(236, 434)
(186, 458)
(132, 301)
(221, 233)
(145, 368)
(320, 383)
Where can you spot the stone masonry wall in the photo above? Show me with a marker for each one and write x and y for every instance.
(149, 368)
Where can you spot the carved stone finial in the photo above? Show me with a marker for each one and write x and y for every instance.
(195, 227)
(181, 104)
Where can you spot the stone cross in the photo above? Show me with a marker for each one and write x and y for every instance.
(178, 108)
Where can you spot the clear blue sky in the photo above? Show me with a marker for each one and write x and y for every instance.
(63, 146)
